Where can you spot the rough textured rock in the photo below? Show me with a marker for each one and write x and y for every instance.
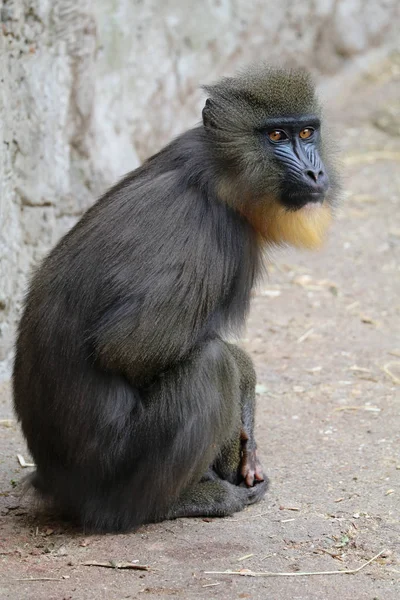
(88, 89)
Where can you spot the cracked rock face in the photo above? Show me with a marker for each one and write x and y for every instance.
(89, 89)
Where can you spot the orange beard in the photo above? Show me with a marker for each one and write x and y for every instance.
(303, 228)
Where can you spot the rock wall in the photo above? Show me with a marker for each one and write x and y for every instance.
(90, 88)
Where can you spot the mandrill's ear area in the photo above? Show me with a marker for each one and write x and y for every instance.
(207, 115)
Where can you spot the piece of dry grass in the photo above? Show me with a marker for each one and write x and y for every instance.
(386, 369)
(359, 369)
(112, 564)
(23, 462)
(249, 573)
(305, 335)
(353, 305)
(355, 408)
(245, 557)
(40, 578)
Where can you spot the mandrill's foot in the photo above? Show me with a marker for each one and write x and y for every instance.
(215, 497)
(250, 467)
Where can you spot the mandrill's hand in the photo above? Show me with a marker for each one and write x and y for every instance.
(250, 466)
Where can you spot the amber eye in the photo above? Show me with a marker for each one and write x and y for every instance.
(306, 133)
(278, 135)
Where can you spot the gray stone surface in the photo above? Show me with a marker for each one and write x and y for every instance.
(89, 89)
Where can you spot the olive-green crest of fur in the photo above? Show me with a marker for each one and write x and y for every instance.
(261, 92)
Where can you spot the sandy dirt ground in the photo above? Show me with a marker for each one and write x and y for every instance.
(324, 332)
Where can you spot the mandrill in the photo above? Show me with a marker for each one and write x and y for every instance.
(134, 407)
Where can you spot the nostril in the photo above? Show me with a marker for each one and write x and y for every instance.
(314, 175)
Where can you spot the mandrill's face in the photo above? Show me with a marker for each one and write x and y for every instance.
(293, 142)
